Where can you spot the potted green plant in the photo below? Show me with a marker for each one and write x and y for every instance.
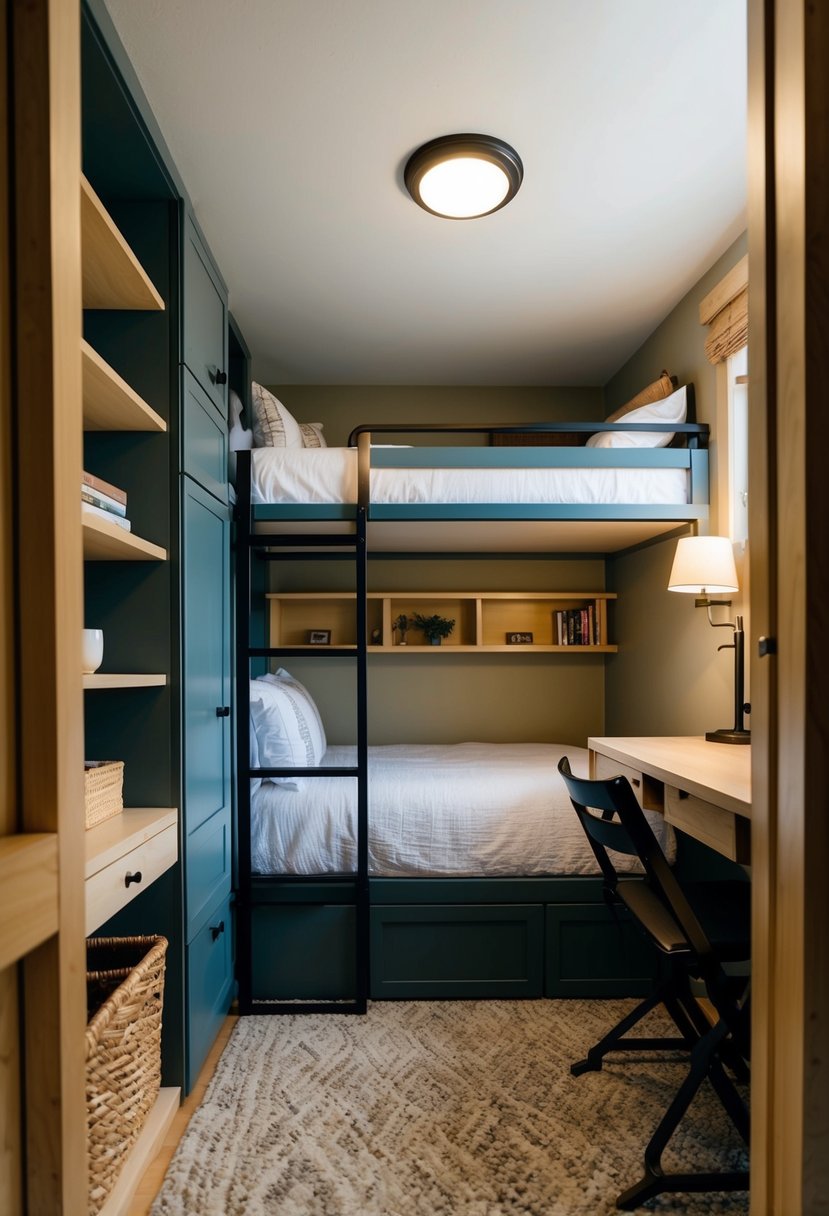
(402, 624)
(435, 627)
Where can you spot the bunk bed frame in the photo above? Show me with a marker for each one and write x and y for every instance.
(329, 943)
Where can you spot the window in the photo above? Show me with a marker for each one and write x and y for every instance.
(737, 454)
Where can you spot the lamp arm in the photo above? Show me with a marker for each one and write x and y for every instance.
(718, 624)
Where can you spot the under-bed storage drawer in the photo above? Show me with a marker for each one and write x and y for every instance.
(454, 952)
(590, 952)
(304, 952)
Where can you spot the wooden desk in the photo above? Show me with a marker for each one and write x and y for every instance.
(702, 788)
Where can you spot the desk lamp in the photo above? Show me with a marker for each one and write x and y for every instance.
(704, 566)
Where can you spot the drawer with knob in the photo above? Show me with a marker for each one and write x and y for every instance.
(124, 856)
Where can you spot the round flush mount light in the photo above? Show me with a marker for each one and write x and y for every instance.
(462, 177)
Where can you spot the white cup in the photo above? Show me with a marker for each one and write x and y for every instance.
(93, 650)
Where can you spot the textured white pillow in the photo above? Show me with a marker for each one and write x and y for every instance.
(670, 409)
(302, 697)
(273, 425)
(312, 436)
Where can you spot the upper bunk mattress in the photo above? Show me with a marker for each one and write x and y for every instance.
(329, 475)
(462, 809)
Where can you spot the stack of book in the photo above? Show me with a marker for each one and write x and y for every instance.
(578, 627)
(99, 497)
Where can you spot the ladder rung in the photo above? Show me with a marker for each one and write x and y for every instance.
(274, 652)
(304, 540)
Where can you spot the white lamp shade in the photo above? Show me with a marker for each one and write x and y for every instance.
(704, 565)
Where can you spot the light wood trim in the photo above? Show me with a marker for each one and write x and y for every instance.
(112, 275)
(47, 123)
(28, 894)
(108, 679)
(109, 403)
(727, 290)
(444, 595)
(107, 891)
(11, 1147)
(712, 771)
(115, 837)
(106, 542)
(143, 1152)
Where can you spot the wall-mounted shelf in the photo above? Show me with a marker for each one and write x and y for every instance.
(109, 404)
(109, 679)
(112, 275)
(106, 542)
(483, 620)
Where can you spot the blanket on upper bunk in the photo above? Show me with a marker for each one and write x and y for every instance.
(463, 809)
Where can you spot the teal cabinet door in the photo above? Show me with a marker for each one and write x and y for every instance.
(204, 338)
(209, 978)
(203, 439)
(205, 561)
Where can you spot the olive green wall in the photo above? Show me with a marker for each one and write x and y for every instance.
(668, 678)
(341, 408)
(451, 698)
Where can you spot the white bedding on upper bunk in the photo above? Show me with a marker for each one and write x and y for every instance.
(329, 475)
(473, 809)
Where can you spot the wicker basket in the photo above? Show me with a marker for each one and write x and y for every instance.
(125, 992)
(103, 790)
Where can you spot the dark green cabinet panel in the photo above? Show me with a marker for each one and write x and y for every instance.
(592, 953)
(303, 952)
(205, 319)
(206, 655)
(456, 952)
(209, 972)
(208, 863)
(204, 439)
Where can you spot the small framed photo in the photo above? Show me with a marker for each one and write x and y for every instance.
(519, 639)
(319, 637)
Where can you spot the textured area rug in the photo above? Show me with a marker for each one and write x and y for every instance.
(436, 1109)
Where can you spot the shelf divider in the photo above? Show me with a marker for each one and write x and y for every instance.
(106, 542)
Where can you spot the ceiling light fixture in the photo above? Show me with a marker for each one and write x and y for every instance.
(462, 177)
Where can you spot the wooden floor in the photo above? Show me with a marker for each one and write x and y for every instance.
(150, 1184)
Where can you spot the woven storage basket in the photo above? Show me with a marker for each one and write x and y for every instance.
(103, 790)
(125, 992)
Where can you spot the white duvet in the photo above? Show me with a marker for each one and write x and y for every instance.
(469, 809)
(329, 475)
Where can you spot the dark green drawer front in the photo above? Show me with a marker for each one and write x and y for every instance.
(456, 952)
(204, 439)
(209, 972)
(207, 869)
(205, 318)
(591, 954)
(304, 952)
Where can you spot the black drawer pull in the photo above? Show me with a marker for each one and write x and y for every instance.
(221, 377)
(136, 877)
(217, 930)
(222, 711)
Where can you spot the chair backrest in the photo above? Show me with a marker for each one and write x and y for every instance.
(624, 828)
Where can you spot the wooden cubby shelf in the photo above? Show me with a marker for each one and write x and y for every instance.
(108, 679)
(109, 404)
(483, 620)
(106, 542)
(112, 275)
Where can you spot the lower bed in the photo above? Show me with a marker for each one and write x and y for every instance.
(482, 883)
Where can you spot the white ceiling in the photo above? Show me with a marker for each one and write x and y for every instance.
(290, 122)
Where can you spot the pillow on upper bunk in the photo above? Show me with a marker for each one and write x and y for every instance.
(289, 730)
(312, 436)
(273, 425)
(669, 409)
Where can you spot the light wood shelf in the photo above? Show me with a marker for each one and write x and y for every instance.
(143, 1152)
(106, 542)
(116, 837)
(109, 404)
(112, 275)
(139, 840)
(483, 620)
(109, 679)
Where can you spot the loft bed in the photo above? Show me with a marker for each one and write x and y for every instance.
(329, 940)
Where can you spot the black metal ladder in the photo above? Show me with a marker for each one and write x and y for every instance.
(251, 546)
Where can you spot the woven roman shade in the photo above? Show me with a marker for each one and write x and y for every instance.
(725, 311)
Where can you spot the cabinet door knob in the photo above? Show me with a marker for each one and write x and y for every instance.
(222, 711)
(217, 930)
(221, 377)
(136, 877)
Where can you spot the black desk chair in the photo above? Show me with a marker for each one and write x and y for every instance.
(697, 929)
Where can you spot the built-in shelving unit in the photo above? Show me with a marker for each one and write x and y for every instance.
(109, 404)
(140, 842)
(106, 542)
(112, 275)
(108, 679)
(484, 621)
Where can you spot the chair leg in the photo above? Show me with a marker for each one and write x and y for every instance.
(654, 1181)
(665, 995)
